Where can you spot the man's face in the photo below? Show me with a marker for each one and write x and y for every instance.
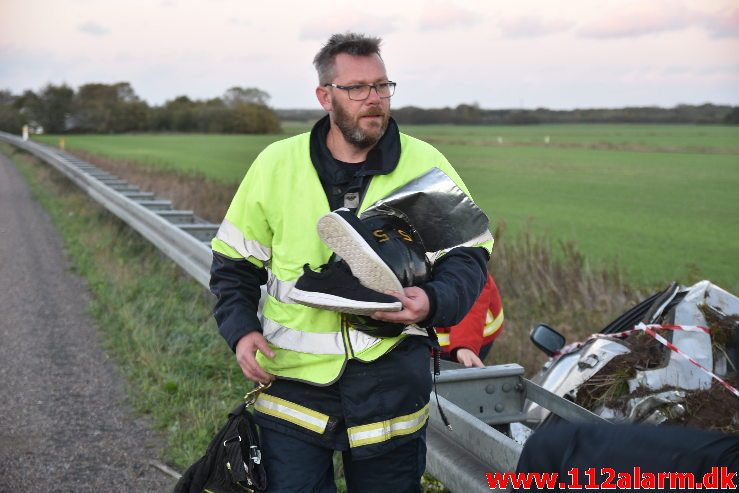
(362, 123)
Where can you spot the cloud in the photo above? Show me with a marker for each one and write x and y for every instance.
(246, 58)
(640, 20)
(678, 70)
(238, 21)
(712, 70)
(661, 16)
(93, 28)
(22, 68)
(530, 26)
(322, 28)
(723, 24)
(438, 17)
(731, 70)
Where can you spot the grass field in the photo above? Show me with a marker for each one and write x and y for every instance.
(655, 200)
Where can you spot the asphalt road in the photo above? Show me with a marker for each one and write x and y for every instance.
(64, 423)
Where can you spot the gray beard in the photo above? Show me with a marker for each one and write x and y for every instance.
(352, 133)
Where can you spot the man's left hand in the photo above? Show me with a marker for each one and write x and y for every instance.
(415, 307)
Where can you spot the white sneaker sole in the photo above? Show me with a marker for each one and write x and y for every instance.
(363, 261)
(339, 304)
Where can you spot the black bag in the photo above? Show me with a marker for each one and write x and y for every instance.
(233, 461)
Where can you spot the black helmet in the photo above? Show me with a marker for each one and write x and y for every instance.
(401, 248)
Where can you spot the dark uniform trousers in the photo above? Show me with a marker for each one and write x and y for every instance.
(395, 385)
(562, 448)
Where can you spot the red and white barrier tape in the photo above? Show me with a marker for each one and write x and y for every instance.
(651, 330)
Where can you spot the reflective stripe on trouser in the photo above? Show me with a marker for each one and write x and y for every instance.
(294, 413)
(385, 430)
(358, 435)
(387, 398)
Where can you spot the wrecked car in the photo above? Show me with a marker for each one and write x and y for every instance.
(670, 359)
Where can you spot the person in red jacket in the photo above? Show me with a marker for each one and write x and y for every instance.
(470, 340)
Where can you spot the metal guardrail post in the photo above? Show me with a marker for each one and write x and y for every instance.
(493, 394)
(460, 457)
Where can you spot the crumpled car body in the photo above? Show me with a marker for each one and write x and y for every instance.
(657, 393)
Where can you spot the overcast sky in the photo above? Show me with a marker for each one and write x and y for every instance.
(497, 53)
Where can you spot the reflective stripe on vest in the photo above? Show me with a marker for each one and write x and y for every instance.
(492, 323)
(385, 430)
(314, 342)
(433, 257)
(233, 237)
(278, 289)
(289, 411)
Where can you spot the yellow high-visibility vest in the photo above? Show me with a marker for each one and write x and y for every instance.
(271, 222)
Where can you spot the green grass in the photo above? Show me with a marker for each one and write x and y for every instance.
(655, 200)
(705, 138)
(222, 157)
(157, 323)
(154, 319)
(660, 216)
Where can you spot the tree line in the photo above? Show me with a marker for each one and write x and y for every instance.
(472, 114)
(115, 108)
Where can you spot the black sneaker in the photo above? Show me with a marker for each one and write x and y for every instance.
(344, 234)
(335, 288)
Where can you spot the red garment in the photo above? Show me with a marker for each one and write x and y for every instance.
(480, 326)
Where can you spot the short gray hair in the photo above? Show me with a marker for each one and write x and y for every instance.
(350, 43)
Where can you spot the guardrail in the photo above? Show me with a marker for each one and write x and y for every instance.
(476, 401)
(171, 231)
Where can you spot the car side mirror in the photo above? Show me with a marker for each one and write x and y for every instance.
(547, 339)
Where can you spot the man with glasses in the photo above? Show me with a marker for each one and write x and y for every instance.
(334, 388)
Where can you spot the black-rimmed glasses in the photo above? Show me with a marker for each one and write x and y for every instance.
(360, 92)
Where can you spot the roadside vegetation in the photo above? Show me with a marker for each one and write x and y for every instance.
(653, 200)
(542, 280)
(634, 193)
(473, 114)
(157, 322)
(116, 108)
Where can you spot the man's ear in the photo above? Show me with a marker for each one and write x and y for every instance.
(324, 98)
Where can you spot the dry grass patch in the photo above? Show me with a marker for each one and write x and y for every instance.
(208, 198)
(542, 282)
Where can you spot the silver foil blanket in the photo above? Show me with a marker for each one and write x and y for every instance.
(443, 215)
